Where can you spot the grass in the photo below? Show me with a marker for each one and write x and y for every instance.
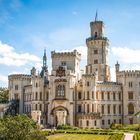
(78, 137)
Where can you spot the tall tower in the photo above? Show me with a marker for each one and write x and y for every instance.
(97, 55)
(44, 71)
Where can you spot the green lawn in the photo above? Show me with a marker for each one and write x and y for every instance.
(78, 137)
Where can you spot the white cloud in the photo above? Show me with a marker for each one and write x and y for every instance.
(3, 78)
(8, 56)
(127, 55)
(113, 74)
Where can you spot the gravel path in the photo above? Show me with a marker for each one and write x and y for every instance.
(128, 136)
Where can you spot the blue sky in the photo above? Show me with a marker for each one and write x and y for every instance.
(29, 26)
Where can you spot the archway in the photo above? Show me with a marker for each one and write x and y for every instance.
(60, 115)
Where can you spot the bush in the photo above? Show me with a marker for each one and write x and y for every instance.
(136, 136)
(116, 137)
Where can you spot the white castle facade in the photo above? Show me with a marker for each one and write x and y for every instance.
(68, 96)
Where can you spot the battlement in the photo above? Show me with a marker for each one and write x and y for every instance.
(129, 73)
(18, 76)
(63, 54)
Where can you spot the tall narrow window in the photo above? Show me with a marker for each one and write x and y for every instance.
(114, 96)
(119, 94)
(102, 95)
(108, 95)
(114, 109)
(108, 109)
(87, 95)
(87, 108)
(102, 109)
(120, 109)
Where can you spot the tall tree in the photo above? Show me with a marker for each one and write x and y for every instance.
(4, 95)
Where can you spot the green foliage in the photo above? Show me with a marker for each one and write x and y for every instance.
(66, 127)
(4, 94)
(19, 127)
(134, 127)
(116, 137)
(136, 136)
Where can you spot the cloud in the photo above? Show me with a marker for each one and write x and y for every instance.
(3, 78)
(126, 55)
(9, 57)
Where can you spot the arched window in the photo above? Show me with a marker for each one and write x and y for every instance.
(130, 108)
(60, 91)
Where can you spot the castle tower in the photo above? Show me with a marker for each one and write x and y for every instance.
(97, 55)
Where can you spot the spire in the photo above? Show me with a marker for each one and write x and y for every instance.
(96, 16)
(44, 59)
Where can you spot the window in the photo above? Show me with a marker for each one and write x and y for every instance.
(95, 122)
(63, 63)
(92, 107)
(114, 121)
(60, 91)
(36, 84)
(79, 108)
(108, 95)
(40, 107)
(102, 109)
(40, 95)
(95, 61)
(87, 123)
(87, 83)
(79, 95)
(130, 84)
(95, 51)
(35, 106)
(120, 109)
(97, 95)
(130, 95)
(102, 95)
(87, 108)
(16, 87)
(119, 94)
(36, 96)
(120, 121)
(108, 109)
(87, 95)
(114, 96)
(130, 108)
(103, 122)
(95, 34)
(114, 109)
(109, 122)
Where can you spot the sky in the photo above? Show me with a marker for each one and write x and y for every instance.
(29, 26)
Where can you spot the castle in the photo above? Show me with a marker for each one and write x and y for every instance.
(69, 96)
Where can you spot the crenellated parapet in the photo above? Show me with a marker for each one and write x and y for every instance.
(75, 53)
(129, 74)
(19, 76)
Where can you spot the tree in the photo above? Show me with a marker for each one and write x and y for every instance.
(19, 127)
(4, 95)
